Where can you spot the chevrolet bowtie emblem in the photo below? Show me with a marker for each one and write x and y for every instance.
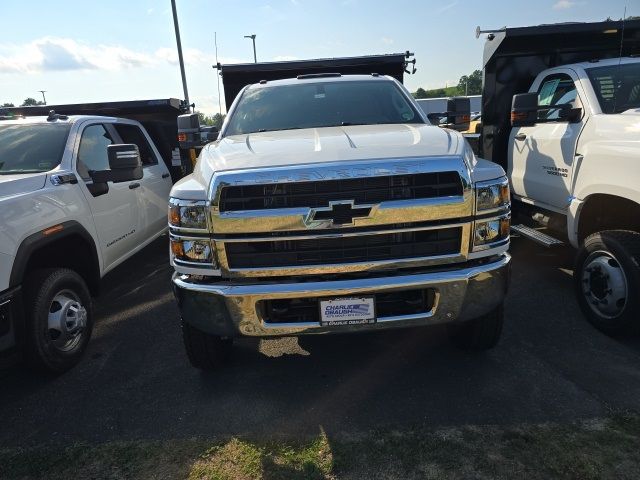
(338, 213)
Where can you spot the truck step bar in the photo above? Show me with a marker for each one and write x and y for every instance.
(536, 235)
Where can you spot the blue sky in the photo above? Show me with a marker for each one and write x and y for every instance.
(85, 51)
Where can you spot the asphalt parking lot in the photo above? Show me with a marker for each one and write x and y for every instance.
(135, 381)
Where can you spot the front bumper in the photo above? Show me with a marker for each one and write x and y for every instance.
(231, 309)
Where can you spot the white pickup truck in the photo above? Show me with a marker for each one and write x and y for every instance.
(329, 204)
(573, 152)
(78, 196)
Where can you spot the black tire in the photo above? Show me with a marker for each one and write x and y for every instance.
(46, 292)
(603, 259)
(205, 351)
(481, 333)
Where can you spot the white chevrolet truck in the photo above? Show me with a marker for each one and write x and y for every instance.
(329, 204)
(571, 146)
(78, 196)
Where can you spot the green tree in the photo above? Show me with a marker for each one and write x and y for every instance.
(470, 84)
(420, 93)
(218, 120)
(211, 121)
(30, 102)
(8, 105)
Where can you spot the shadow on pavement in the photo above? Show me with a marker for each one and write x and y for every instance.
(135, 381)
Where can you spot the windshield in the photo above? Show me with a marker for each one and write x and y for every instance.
(321, 104)
(31, 148)
(617, 86)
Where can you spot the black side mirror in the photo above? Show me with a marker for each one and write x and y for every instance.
(457, 116)
(124, 163)
(459, 113)
(212, 135)
(570, 114)
(189, 131)
(524, 110)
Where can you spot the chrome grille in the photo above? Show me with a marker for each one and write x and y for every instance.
(368, 190)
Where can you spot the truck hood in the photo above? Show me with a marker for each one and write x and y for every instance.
(23, 183)
(329, 144)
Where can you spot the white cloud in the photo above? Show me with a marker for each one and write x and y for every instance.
(446, 7)
(57, 54)
(65, 54)
(563, 4)
(387, 40)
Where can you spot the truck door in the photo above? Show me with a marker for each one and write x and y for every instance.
(115, 213)
(541, 157)
(155, 184)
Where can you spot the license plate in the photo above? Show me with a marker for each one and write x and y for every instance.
(347, 311)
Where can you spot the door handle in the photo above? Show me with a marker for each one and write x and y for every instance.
(165, 175)
(520, 136)
(133, 185)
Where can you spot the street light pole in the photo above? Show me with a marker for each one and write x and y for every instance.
(180, 59)
(44, 100)
(253, 38)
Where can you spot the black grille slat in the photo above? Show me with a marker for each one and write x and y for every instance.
(315, 194)
(320, 251)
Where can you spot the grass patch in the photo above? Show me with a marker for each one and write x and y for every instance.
(606, 448)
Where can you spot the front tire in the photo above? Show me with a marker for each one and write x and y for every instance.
(607, 281)
(59, 319)
(481, 333)
(205, 351)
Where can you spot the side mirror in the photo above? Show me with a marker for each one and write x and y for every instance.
(457, 116)
(524, 110)
(189, 131)
(124, 165)
(570, 114)
(459, 113)
(211, 135)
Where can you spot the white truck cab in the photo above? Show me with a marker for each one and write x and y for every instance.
(78, 196)
(571, 146)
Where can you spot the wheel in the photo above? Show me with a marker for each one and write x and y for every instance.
(481, 333)
(607, 280)
(205, 351)
(58, 319)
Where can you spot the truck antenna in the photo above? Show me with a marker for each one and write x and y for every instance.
(615, 92)
(215, 41)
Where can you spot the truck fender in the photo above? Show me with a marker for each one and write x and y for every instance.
(39, 241)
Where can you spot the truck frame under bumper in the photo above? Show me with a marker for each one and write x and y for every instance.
(232, 309)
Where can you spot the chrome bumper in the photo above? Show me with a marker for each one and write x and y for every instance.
(230, 309)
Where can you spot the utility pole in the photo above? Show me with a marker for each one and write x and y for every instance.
(180, 59)
(253, 38)
(44, 100)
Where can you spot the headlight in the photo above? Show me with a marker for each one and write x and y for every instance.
(193, 250)
(491, 232)
(187, 214)
(492, 195)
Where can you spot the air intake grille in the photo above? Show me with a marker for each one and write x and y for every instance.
(322, 251)
(319, 193)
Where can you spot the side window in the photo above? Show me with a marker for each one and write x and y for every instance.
(92, 153)
(556, 90)
(133, 134)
